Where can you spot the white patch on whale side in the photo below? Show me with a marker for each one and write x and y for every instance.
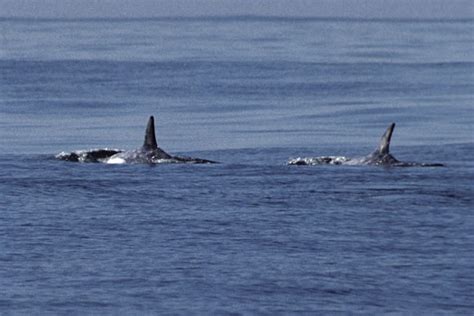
(115, 160)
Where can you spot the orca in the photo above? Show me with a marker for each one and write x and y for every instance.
(149, 153)
(93, 155)
(380, 157)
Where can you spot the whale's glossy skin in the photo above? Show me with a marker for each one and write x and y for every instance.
(149, 153)
(93, 155)
(380, 157)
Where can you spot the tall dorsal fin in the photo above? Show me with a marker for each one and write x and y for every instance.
(150, 139)
(384, 145)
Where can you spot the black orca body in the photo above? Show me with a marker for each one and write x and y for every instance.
(380, 157)
(148, 153)
(93, 155)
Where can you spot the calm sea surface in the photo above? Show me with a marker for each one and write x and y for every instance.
(250, 235)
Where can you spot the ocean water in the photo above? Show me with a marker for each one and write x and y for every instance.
(250, 235)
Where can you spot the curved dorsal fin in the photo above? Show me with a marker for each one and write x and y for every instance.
(384, 145)
(150, 139)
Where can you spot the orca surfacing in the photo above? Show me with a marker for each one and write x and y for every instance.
(380, 157)
(149, 153)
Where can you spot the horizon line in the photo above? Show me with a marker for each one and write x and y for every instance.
(248, 17)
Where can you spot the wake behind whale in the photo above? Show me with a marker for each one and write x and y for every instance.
(149, 153)
(380, 157)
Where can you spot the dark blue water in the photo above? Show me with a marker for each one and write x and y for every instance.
(251, 234)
